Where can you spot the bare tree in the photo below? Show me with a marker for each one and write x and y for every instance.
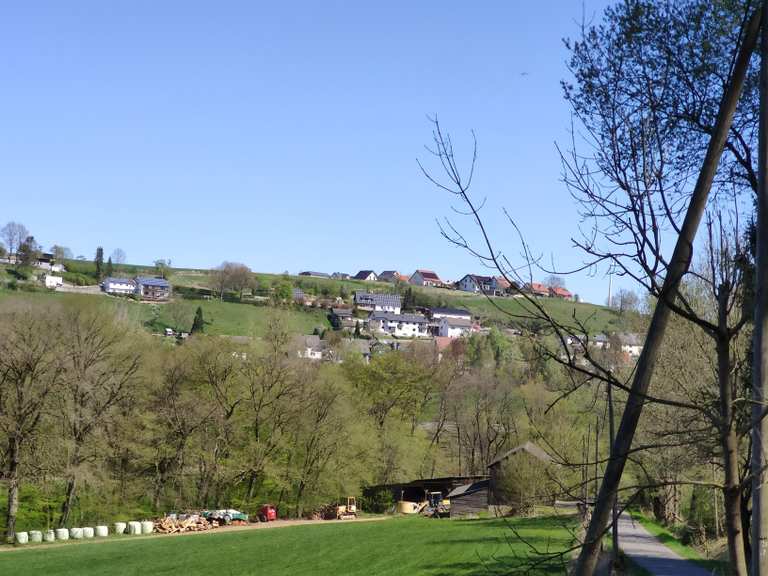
(118, 256)
(13, 234)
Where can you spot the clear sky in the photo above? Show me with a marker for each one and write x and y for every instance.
(283, 134)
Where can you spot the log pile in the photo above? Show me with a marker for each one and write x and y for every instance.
(191, 524)
(327, 512)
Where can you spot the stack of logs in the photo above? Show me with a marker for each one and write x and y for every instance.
(327, 512)
(191, 524)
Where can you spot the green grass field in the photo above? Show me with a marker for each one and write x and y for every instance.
(222, 318)
(403, 546)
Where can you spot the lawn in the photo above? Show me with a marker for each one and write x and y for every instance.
(222, 318)
(403, 546)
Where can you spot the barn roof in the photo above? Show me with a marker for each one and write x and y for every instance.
(528, 447)
(468, 489)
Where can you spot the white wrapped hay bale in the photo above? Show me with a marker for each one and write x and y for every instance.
(49, 536)
(102, 531)
(147, 527)
(76, 533)
(88, 532)
(22, 537)
(120, 527)
(134, 528)
(35, 536)
(62, 534)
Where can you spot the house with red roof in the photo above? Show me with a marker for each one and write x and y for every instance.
(558, 292)
(537, 289)
(425, 278)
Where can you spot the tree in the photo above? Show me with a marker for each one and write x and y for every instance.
(230, 275)
(180, 314)
(161, 267)
(28, 252)
(198, 324)
(13, 234)
(3, 251)
(30, 372)
(61, 253)
(99, 261)
(110, 268)
(118, 256)
(554, 281)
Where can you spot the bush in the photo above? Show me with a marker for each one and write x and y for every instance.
(376, 501)
(79, 279)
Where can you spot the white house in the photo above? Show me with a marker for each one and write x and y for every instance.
(53, 282)
(309, 347)
(118, 286)
(366, 275)
(400, 325)
(631, 344)
(425, 278)
(58, 268)
(454, 327)
(378, 302)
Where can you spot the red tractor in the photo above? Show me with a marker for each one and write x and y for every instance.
(268, 513)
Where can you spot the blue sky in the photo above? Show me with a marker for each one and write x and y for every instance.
(285, 134)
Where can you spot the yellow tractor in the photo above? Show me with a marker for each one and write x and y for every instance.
(348, 510)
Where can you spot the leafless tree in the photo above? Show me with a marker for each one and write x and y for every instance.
(13, 234)
(118, 256)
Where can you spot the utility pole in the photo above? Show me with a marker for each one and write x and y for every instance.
(760, 338)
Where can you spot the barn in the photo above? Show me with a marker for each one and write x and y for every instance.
(518, 478)
(469, 499)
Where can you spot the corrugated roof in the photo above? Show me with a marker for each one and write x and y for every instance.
(391, 317)
(468, 489)
(451, 312)
(151, 281)
(528, 447)
(371, 299)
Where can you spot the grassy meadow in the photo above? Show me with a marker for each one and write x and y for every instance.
(393, 547)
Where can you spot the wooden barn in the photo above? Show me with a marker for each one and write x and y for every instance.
(417, 490)
(469, 499)
(518, 477)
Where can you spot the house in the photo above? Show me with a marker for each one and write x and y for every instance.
(150, 288)
(600, 341)
(340, 276)
(45, 260)
(559, 292)
(525, 460)
(454, 327)
(425, 278)
(366, 275)
(631, 344)
(342, 318)
(53, 282)
(392, 276)
(378, 302)
(124, 286)
(438, 313)
(477, 283)
(469, 499)
(58, 268)
(399, 325)
(309, 347)
(315, 274)
(537, 289)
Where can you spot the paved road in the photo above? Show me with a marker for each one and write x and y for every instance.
(645, 550)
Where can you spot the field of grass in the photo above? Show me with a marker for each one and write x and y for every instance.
(222, 318)
(402, 546)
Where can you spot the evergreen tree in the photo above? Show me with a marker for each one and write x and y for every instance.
(110, 268)
(99, 261)
(198, 325)
(28, 252)
(357, 329)
(408, 299)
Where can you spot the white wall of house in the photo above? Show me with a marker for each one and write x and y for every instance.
(119, 287)
(468, 284)
(387, 308)
(400, 329)
(452, 330)
(418, 280)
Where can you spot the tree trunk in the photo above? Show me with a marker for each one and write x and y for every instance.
(13, 488)
(69, 499)
(729, 441)
(678, 266)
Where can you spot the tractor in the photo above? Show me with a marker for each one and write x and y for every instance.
(348, 510)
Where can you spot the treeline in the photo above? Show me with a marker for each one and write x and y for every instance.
(99, 419)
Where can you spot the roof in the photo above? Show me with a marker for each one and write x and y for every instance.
(503, 283)
(451, 312)
(478, 278)
(528, 447)
(363, 274)
(308, 341)
(538, 287)
(371, 299)
(468, 489)
(558, 291)
(341, 312)
(390, 317)
(458, 322)
(428, 275)
(316, 274)
(390, 275)
(113, 280)
(443, 342)
(151, 281)
(629, 339)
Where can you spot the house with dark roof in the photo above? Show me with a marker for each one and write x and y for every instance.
(366, 275)
(425, 278)
(150, 288)
(315, 274)
(399, 325)
(454, 327)
(124, 286)
(378, 302)
(392, 276)
(309, 347)
(340, 276)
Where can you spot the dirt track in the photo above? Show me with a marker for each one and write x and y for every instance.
(222, 530)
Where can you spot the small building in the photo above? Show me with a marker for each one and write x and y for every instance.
(438, 313)
(477, 283)
(454, 327)
(366, 275)
(315, 274)
(53, 282)
(309, 347)
(537, 289)
(150, 288)
(392, 276)
(45, 260)
(469, 499)
(559, 292)
(417, 490)
(399, 325)
(425, 278)
(525, 456)
(123, 286)
(631, 344)
(340, 276)
(378, 302)
(342, 318)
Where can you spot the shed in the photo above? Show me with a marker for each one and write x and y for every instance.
(469, 498)
(527, 456)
